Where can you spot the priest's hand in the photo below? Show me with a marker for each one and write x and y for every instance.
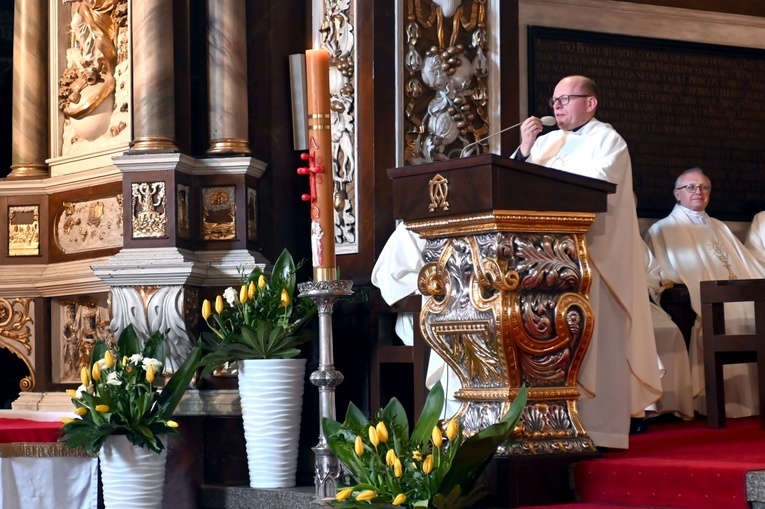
(530, 129)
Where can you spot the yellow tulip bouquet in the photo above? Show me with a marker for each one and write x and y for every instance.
(436, 467)
(263, 320)
(119, 394)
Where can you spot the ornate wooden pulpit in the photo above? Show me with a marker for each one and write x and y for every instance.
(506, 269)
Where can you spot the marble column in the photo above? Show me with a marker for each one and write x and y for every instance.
(153, 76)
(29, 132)
(227, 69)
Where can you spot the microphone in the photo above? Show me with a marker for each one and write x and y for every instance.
(546, 121)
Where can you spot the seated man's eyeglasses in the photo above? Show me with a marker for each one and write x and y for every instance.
(692, 188)
(565, 99)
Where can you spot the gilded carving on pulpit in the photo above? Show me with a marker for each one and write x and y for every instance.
(446, 73)
(17, 334)
(219, 213)
(149, 203)
(438, 189)
(182, 211)
(24, 230)
(89, 225)
(252, 214)
(338, 38)
(508, 310)
(94, 90)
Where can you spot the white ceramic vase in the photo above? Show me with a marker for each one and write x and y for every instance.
(132, 477)
(271, 393)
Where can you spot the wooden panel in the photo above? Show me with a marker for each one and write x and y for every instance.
(490, 182)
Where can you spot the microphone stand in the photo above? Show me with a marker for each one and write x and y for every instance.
(546, 121)
(466, 152)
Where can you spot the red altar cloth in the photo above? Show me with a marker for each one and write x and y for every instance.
(26, 430)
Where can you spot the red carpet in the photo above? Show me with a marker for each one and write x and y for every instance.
(683, 465)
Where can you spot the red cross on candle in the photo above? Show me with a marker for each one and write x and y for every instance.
(311, 171)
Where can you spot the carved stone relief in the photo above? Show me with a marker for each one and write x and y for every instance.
(157, 308)
(339, 39)
(252, 214)
(89, 225)
(94, 90)
(446, 73)
(24, 230)
(149, 206)
(219, 213)
(182, 212)
(77, 322)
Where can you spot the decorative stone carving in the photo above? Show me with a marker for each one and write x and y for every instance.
(94, 93)
(339, 39)
(182, 212)
(89, 225)
(24, 230)
(446, 73)
(81, 321)
(219, 213)
(17, 334)
(149, 202)
(157, 308)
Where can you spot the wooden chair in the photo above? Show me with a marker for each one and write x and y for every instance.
(387, 348)
(721, 348)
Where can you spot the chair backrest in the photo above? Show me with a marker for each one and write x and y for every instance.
(714, 294)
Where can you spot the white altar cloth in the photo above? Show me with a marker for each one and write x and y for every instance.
(45, 475)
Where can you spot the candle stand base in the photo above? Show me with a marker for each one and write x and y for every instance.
(326, 378)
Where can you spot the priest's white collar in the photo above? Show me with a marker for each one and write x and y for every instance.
(696, 217)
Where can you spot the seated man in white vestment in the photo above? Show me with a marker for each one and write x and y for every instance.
(674, 365)
(619, 376)
(692, 247)
(755, 239)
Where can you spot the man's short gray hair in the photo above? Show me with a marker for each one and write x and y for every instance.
(695, 169)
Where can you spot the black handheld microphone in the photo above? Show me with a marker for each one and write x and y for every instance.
(546, 121)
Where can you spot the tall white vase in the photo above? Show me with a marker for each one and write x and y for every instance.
(132, 477)
(271, 393)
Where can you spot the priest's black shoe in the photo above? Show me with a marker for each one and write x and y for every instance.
(638, 426)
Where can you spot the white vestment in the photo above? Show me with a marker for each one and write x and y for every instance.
(755, 239)
(620, 374)
(674, 365)
(689, 253)
(395, 274)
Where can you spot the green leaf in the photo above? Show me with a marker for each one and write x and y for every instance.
(475, 453)
(355, 418)
(97, 353)
(429, 417)
(284, 271)
(128, 343)
(395, 413)
(174, 389)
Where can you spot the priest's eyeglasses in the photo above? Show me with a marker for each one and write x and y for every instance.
(565, 99)
(692, 188)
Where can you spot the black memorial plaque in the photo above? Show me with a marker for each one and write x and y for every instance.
(677, 105)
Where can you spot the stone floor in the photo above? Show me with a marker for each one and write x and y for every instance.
(218, 497)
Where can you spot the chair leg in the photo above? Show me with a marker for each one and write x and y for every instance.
(715, 389)
(761, 384)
